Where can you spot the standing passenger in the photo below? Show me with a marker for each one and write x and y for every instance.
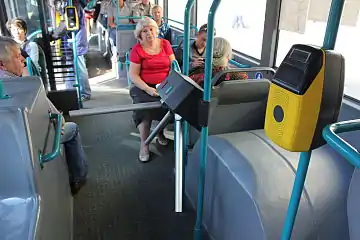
(82, 48)
(124, 10)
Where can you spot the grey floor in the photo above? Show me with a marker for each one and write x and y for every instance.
(124, 199)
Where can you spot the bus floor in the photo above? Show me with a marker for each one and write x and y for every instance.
(123, 198)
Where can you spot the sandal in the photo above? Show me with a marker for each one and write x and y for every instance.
(144, 156)
(163, 141)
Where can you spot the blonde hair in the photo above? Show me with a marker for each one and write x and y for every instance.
(156, 7)
(6, 45)
(222, 52)
(142, 23)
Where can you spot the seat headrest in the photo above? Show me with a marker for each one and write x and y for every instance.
(238, 91)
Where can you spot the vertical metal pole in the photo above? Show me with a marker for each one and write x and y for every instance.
(186, 54)
(333, 24)
(47, 48)
(76, 69)
(205, 129)
(178, 165)
(296, 195)
(3, 19)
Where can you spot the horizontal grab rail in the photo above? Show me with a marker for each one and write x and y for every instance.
(117, 109)
(172, 20)
(239, 65)
(340, 145)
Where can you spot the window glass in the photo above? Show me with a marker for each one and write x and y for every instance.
(241, 22)
(176, 10)
(305, 23)
(347, 43)
(301, 22)
(27, 10)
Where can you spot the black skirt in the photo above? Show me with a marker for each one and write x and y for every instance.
(140, 96)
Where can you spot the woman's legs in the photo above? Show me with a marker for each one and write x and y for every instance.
(144, 130)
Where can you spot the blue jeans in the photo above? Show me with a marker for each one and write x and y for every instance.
(74, 152)
(112, 35)
(85, 89)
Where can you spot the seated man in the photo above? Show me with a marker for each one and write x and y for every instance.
(142, 9)
(164, 28)
(222, 53)
(197, 49)
(12, 65)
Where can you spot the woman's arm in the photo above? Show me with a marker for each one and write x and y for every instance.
(135, 76)
(172, 57)
(111, 21)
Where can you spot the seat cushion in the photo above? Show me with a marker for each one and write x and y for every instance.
(248, 186)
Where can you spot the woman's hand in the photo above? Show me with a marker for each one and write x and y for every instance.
(151, 91)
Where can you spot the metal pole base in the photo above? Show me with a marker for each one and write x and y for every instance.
(178, 165)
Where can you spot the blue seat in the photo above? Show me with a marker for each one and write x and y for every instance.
(248, 185)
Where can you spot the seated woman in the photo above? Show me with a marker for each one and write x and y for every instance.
(18, 29)
(150, 64)
(12, 65)
(124, 10)
(164, 28)
(222, 53)
(197, 49)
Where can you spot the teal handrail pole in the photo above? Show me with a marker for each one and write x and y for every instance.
(76, 67)
(2, 92)
(205, 129)
(333, 24)
(186, 57)
(44, 158)
(29, 66)
(338, 144)
(329, 43)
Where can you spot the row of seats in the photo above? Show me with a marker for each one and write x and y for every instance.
(237, 105)
(249, 178)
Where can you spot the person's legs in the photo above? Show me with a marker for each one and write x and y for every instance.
(75, 156)
(144, 131)
(112, 36)
(85, 89)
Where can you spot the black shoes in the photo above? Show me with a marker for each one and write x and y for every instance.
(75, 187)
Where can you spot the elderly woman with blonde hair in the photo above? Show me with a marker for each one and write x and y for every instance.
(150, 64)
(222, 53)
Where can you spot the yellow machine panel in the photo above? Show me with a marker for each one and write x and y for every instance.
(71, 18)
(298, 107)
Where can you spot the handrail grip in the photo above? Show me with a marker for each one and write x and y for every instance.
(57, 140)
(330, 134)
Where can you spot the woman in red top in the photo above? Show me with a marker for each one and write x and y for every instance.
(150, 64)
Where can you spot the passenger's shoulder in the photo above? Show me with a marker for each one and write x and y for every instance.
(33, 46)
